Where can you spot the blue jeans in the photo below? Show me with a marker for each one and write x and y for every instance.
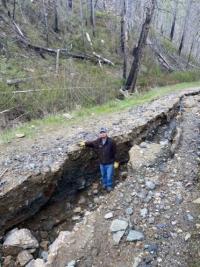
(107, 171)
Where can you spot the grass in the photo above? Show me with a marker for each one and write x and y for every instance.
(33, 127)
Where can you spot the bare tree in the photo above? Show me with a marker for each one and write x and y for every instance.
(123, 37)
(14, 8)
(46, 22)
(174, 20)
(188, 7)
(4, 3)
(92, 16)
(138, 51)
(56, 28)
(70, 4)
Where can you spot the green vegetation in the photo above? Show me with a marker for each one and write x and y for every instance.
(169, 46)
(79, 86)
(35, 126)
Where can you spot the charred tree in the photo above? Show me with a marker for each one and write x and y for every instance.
(4, 3)
(56, 28)
(70, 4)
(174, 21)
(46, 22)
(14, 8)
(184, 27)
(92, 16)
(123, 38)
(138, 51)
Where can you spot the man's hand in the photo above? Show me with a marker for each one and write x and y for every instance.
(116, 165)
(81, 144)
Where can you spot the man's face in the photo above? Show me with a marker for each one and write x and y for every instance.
(103, 135)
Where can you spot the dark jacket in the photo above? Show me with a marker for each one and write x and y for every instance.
(106, 152)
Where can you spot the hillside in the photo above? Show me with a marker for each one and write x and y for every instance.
(36, 82)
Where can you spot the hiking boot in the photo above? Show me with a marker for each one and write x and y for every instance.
(109, 188)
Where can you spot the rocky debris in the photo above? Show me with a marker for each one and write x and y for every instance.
(187, 237)
(144, 212)
(20, 238)
(118, 225)
(150, 185)
(165, 222)
(24, 257)
(129, 211)
(36, 263)
(71, 264)
(9, 261)
(117, 236)
(20, 135)
(135, 236)
(145, 157)
(108, 215)
(62, 238)
(44, 245)
(189, 102)
(196, 201)
(118, 228)
(77, 210)
(152, 248)
(48, 165)
(67, 116)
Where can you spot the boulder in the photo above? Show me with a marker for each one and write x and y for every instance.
(21, 238)
(24, 257)
(60, 240)
(36, 263)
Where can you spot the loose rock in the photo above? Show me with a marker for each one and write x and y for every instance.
(118, 225)
(20, 238)
(135, 236)
(24, 257)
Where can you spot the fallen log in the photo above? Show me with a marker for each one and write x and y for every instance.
(93, 58)
(21, 38)
(162, 60)
(18, 81)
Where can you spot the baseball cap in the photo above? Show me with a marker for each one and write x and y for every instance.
(103, 130)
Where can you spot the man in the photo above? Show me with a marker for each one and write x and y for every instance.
(106, 150)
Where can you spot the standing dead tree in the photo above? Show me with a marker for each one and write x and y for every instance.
(46, 22)
(123, 37)
(174, 20)
(188, 8)
(138, 51)
(92, 16)
(56, 28)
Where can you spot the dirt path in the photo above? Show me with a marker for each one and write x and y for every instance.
(148, 220)
(165, 215)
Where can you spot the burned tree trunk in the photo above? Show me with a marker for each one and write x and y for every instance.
(174, 21)
(46, 22)
(14, 8)
(4, 3)
(123, 39)
(92, 16)
(70, 4)
(184, 27)
(138, 51)
(56, 28)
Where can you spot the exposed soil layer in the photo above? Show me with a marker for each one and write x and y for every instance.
(63, 179)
